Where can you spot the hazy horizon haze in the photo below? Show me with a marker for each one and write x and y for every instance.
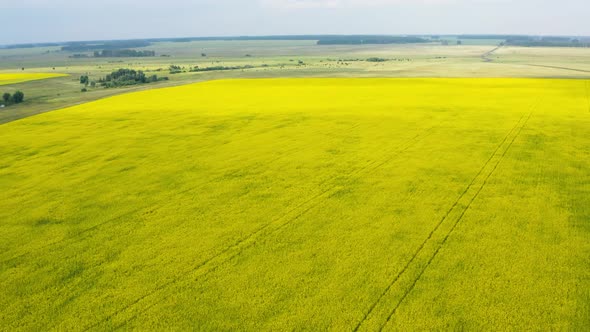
(36, 21)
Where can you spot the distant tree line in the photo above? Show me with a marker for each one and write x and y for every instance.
(87, 46)
(375, 59)
(85, 80)
(216, 68)
(547, 42)
(124, 77)
(16, 98)
(105, 45)
(491, 36)
(126, 53)
(175, 69)
(360, 40)
(534, 41)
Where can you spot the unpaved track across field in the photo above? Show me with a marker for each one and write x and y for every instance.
(486, 56)
(558, 67)
(437, 238)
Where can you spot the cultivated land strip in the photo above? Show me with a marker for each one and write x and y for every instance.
(411, 273)
(213, 263)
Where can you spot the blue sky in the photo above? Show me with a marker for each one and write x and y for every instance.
(25, 21)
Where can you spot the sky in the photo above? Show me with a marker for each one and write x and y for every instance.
(28, 21)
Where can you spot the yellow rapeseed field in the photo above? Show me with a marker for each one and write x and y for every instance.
(289, 204)
(11, 78)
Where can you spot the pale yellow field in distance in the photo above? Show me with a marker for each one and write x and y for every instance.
(12, 78)
(292, 204)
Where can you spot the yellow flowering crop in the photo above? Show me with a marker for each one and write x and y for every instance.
(6, 79)
(302, 204)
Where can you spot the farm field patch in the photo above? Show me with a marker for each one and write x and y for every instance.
(283, 204)
(10, 78)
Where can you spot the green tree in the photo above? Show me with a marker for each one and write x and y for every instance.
(6, 97)
(18, 97)
(84, 80)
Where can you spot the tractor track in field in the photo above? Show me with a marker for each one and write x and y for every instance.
(516, 131)
(214, 262)
(81, 233)
(557, 67)
(463, 212)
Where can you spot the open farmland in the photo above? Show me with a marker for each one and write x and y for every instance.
(403, 204)
(276, 59)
